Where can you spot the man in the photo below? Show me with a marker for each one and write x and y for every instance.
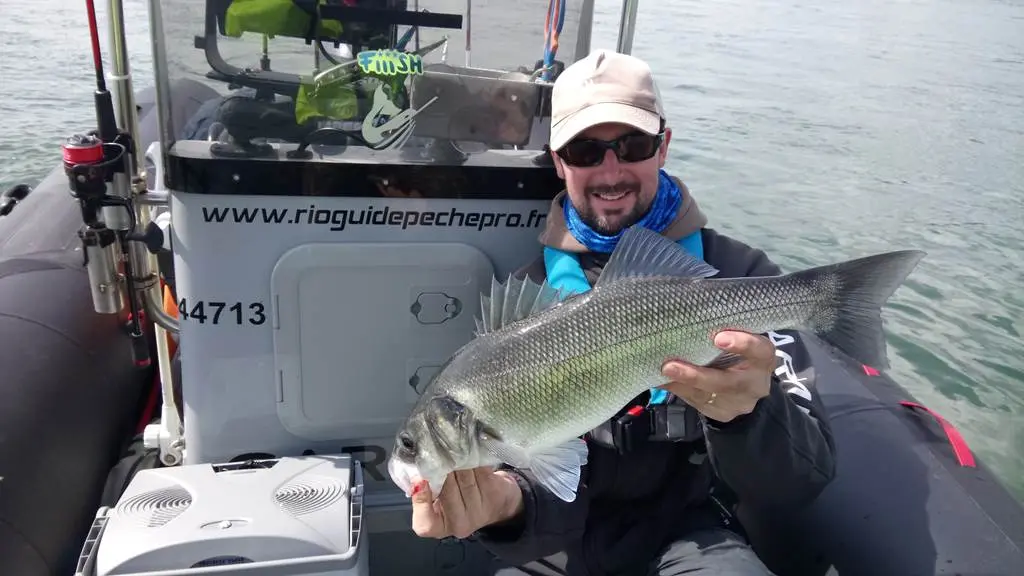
(650, 501)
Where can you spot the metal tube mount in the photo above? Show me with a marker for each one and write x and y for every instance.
(627, 26)
(143, 262)
(167, 434)
(101, 247)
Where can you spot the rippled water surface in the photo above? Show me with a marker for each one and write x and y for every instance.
(816, 129)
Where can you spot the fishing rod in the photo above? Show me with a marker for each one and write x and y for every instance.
(101, 169)
(105, 121)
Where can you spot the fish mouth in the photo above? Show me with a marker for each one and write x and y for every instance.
(405, 475)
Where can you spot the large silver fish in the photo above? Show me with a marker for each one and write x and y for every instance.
(543, 371)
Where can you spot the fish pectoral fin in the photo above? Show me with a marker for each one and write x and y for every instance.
(556, 469)
(725, 360)
(507, 453)
(642, 252)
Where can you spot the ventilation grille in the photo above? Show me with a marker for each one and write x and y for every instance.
(309, 494)
(155, 508)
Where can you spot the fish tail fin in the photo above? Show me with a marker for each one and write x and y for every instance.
(850, 316)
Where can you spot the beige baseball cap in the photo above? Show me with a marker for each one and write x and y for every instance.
(606, 86)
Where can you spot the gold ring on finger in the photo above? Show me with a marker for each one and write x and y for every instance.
(711, 399)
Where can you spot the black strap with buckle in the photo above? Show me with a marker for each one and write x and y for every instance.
(656, 423)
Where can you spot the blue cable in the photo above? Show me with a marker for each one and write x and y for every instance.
(552, 36)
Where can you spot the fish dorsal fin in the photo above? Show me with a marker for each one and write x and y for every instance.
(497, 304)
(515, 300)
(513, 289)
(483, 323)
(641, 252)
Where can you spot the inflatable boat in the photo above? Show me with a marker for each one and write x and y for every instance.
(219, 307)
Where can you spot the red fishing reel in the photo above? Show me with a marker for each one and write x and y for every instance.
(86, 166)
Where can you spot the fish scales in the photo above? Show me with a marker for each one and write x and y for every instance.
(613, 314)
(609, 347)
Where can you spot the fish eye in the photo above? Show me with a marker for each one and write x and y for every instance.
(407, 442)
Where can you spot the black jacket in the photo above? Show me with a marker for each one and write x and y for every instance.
(630, 506)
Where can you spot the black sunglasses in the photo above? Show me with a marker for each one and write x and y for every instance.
(628, 148)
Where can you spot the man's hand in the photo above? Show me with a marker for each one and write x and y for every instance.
(470, 500)
(724, 394)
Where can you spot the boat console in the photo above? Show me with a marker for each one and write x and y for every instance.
(335, 214)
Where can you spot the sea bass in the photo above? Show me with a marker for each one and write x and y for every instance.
(544, 370)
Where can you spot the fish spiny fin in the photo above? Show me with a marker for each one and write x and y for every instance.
(547, 297)
(527, 297)
(642, 252)
(497, 304)
(513, 286)
(557, 468)
(515, 300)
(483, 324)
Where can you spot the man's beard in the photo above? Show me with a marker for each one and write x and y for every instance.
(609, 225)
